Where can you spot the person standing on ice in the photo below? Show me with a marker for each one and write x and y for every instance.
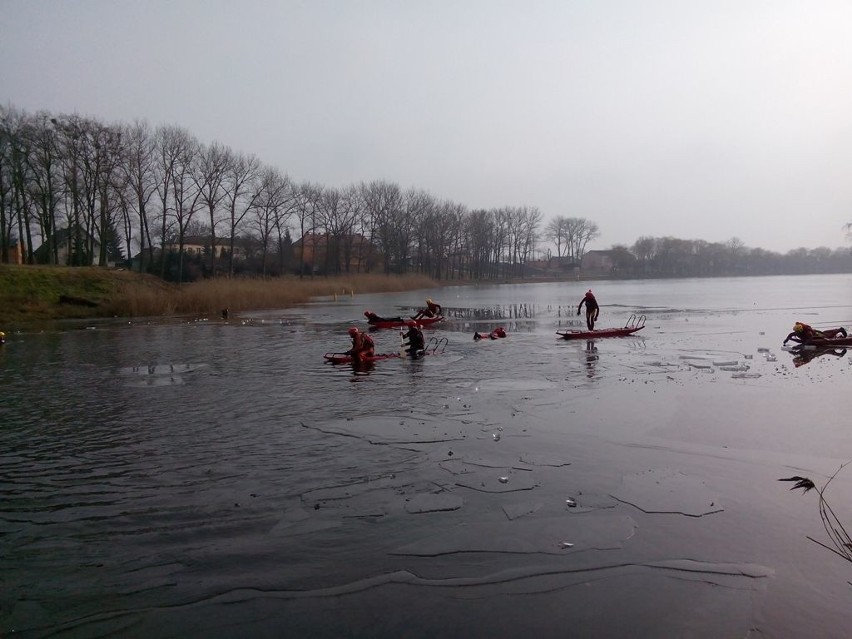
(592, 309)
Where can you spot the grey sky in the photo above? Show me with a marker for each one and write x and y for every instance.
(693, 119)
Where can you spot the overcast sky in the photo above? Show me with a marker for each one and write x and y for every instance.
(694, 119)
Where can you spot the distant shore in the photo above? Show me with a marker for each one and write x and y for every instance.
(35, 294)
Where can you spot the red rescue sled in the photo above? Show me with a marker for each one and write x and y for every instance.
(344, 358)
(633, 324)
(435, 346)
(399, 323)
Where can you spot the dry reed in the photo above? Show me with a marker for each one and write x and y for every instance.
(833, 526)
(841, 542)
(209, 297)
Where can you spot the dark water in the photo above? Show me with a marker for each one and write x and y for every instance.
(217, 479)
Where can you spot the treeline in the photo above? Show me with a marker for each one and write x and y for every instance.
(673, 257)
(123, 190)
(78, 191)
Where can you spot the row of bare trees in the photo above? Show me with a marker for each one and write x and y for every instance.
(114, 190)
(132, 190)
(571, 235)
(674, 257)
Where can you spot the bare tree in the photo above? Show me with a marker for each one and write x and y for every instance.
(76, 146)
(383, 203)
(416, 204)
(92, 157)
(242, 188)
(529, 233)
(306, 206)
(268, 209)
(557, 232)
(7, 211)
(645, 248)
(45, 178)
(14, 177)
(335, 217)
(580, 232)
(176, 150)
(340, 213)
(185, 192)
(211, 168)
(108, 146)
(481, 243)
(437, 235)
(140, 173)
(172, 148)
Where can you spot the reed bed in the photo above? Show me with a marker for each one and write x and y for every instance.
(210, 297)
(33, 294)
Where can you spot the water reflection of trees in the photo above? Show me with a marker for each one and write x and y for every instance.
(493, 313)
(513, 317)
(591, 358)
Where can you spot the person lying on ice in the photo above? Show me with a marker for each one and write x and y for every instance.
(803, 333)
(497, 332)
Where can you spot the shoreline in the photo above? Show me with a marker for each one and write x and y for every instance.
(37, 295)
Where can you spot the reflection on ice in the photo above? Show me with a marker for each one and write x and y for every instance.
(159, 374)
(160, 369)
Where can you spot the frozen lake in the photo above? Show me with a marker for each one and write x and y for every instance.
(216, 479)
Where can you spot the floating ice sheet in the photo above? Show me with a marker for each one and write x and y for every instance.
(431, 503)
(471, 463)
(544, 459)
(393, 430)
(601, 531)
(488, 481)
(515, 384)
(514, 511)
(668, 491)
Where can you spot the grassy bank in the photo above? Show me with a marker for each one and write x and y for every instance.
(31, 294)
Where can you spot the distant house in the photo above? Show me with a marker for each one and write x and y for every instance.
(552, 266)
(67, 247)
(200, 245)
(606, 262)
(318, 248)
(563, 263)
(597, 261)
(15, 253)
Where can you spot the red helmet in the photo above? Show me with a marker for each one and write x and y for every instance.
(410, 323)
(368, 313)
(353, 331)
